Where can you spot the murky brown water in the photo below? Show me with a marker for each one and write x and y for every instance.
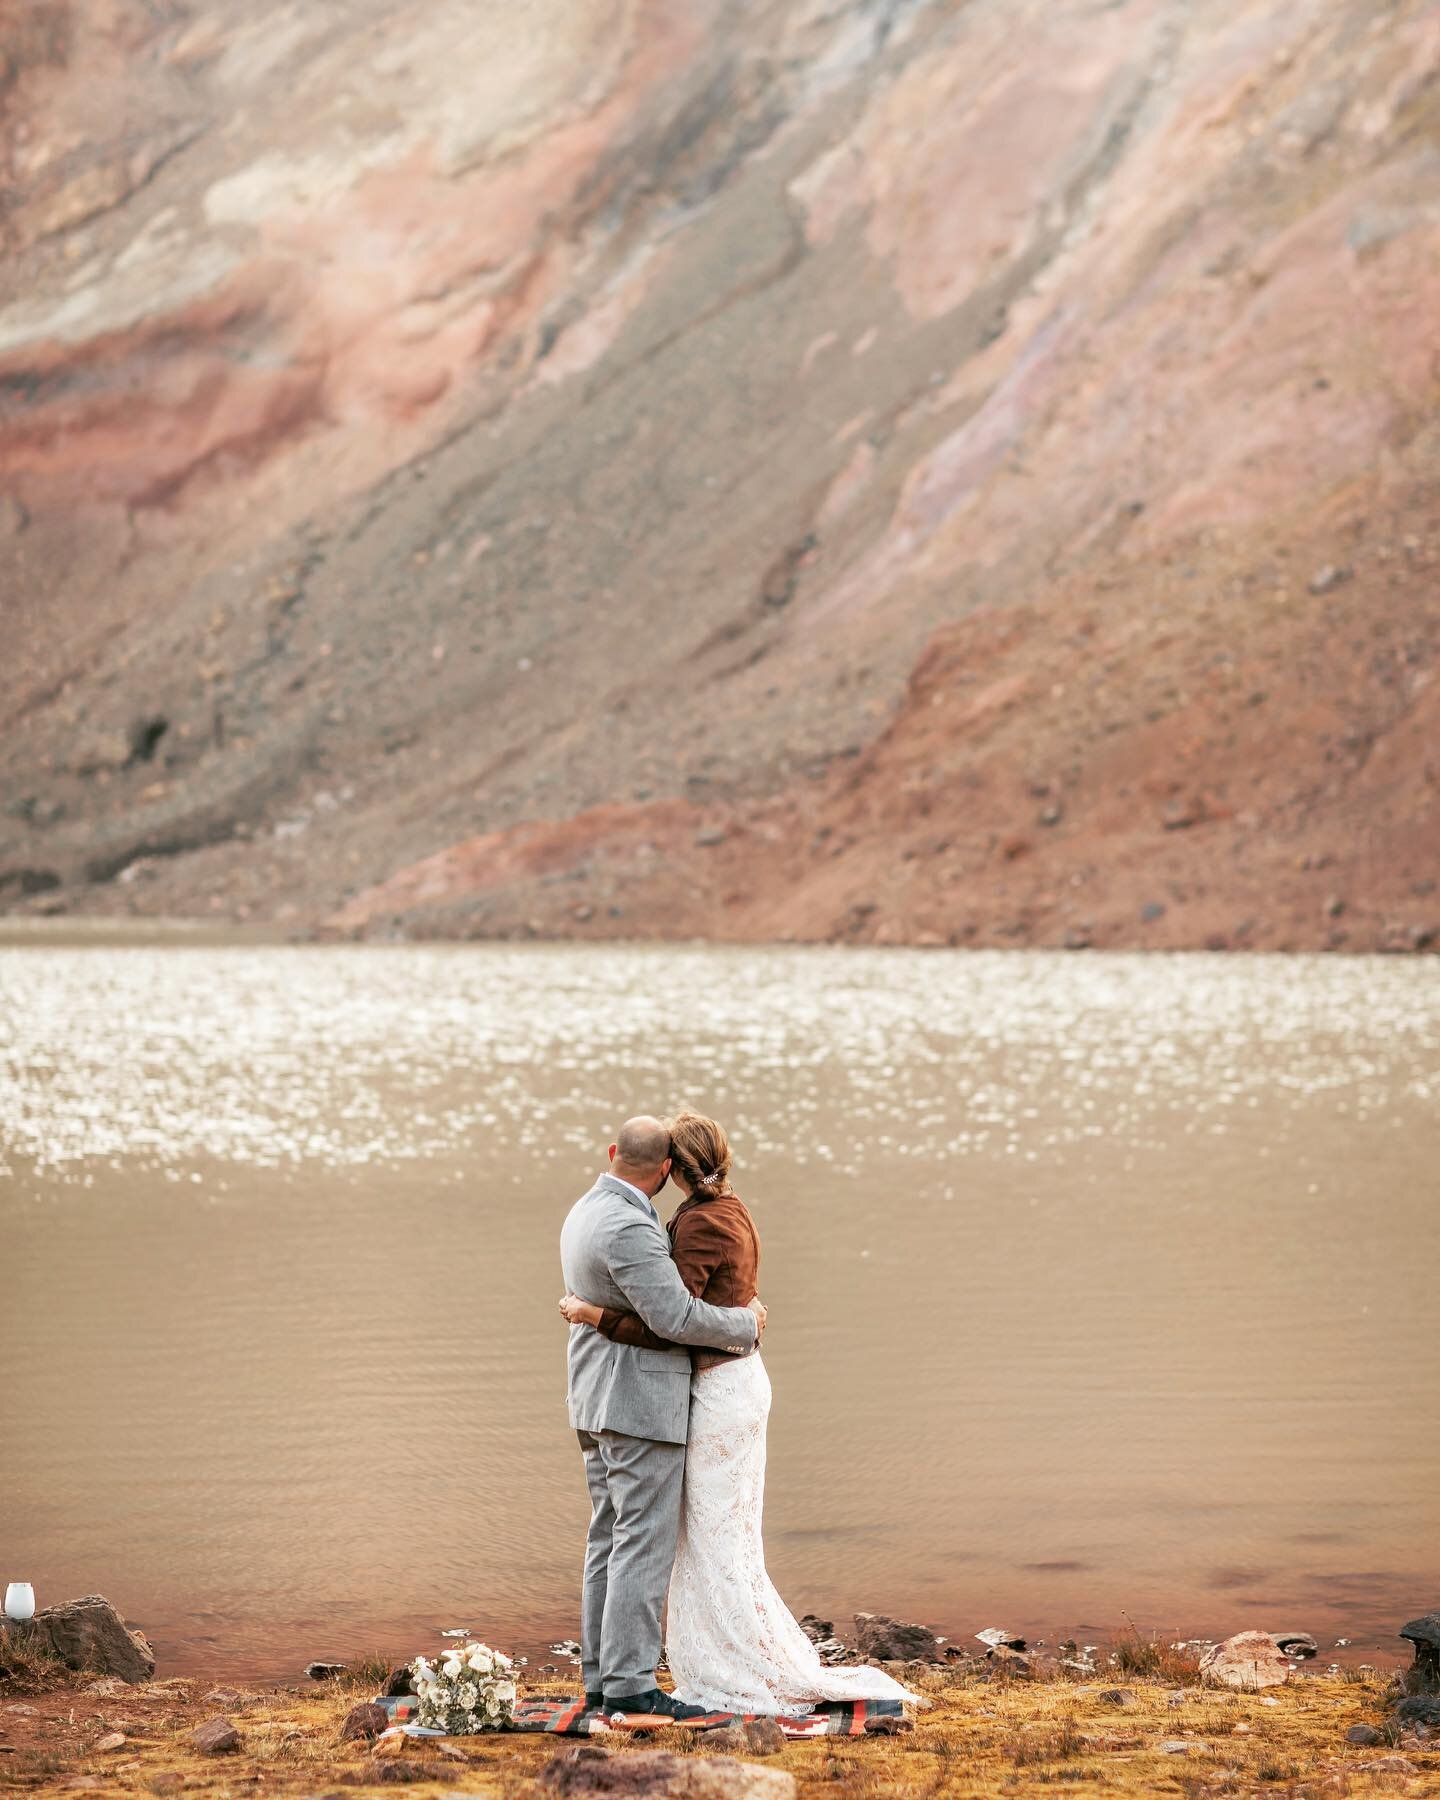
(1100, 1286)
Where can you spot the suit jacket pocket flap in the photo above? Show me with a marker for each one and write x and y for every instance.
(673, 1362)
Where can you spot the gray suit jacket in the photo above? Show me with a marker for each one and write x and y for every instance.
(615, 1252)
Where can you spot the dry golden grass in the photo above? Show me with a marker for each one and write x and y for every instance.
(978, 1740)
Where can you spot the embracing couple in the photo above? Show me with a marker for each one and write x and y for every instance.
(669, 1399)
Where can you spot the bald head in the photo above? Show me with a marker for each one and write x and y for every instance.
(641, 1153)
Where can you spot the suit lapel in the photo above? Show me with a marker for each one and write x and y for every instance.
(613, 1184)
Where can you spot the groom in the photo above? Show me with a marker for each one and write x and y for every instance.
(630, 1409)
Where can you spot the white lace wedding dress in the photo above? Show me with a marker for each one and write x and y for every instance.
(732, 1644)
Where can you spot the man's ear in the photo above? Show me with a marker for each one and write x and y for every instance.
(613, 1149)
(665, 1170)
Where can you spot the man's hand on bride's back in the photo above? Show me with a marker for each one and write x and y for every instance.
(758, 1307)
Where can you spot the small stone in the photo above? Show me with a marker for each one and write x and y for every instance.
(215, 1735)
(225, 1696)
(884, 1639)
(1118, 1697)
(1249, 1660)
(1334, 906)
(1052, 814)
(112, 1740)
(997, 1638)
(587, 1770)
(1176, 1746)
(324, 1671)
(393, 1769)
(1331, 576)
(1363, 1734)
(817, 1629)
(1151, 911)
(366, 1720)
(712, 835)
(1298, 1644)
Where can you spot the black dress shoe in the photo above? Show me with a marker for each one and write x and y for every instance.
(655, 1703)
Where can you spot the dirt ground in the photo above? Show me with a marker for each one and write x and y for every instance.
(977, 1739)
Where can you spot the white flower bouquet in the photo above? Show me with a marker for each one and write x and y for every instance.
(472, 1689)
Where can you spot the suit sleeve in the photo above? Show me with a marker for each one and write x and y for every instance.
(642, 1268)
(698, 1251)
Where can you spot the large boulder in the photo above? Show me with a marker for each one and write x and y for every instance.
(884, 1639)
(659, 1775)
(1251, 1659)
(1424, 1633)
(89, 1634)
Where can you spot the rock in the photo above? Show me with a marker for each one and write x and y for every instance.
(755, 1737)
(816, 1629)
(885, 1640)
(102, 752)
(215, 1735)
(1297, 1644)
(89, 1634)
(710, 836)
(228, 1696)
(589, 1770)
(1151, 911)
(1419, 1709)
(324, 1671)
(402, 1681)
(398, 1769)
(1424, 1634)
(997, 1638)
(1363, 1734)
(1118, 1697)
(1331, 576)
(1176, 1746)
(1249, 1660)
(112, 1740)
(367, 1720)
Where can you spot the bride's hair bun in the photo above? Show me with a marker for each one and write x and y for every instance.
(700, 1153)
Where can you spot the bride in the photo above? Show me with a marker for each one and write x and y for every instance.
(732, 1644)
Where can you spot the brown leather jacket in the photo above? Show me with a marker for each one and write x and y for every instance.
(717, 1251)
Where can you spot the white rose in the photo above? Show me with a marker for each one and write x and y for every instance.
(450, 1667)
(505, 1692)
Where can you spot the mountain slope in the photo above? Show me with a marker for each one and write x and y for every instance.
(883, 471)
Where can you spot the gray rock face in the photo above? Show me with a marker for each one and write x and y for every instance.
(890, 1640)
(589, 1770)
(1424, 1634)
(89, 1634)
(1419, 1709)
(1299, 1644)
(1363, 1734)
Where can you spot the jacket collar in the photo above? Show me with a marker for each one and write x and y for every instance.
(615, 1185)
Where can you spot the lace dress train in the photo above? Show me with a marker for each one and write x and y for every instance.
(733, 1645)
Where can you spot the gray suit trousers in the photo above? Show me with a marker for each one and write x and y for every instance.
(635, 1486)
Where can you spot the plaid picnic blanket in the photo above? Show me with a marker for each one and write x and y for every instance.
(569, 1717)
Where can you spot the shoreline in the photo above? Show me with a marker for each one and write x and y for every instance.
(987, 1731)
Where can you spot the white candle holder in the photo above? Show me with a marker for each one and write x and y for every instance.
(19, 1601)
